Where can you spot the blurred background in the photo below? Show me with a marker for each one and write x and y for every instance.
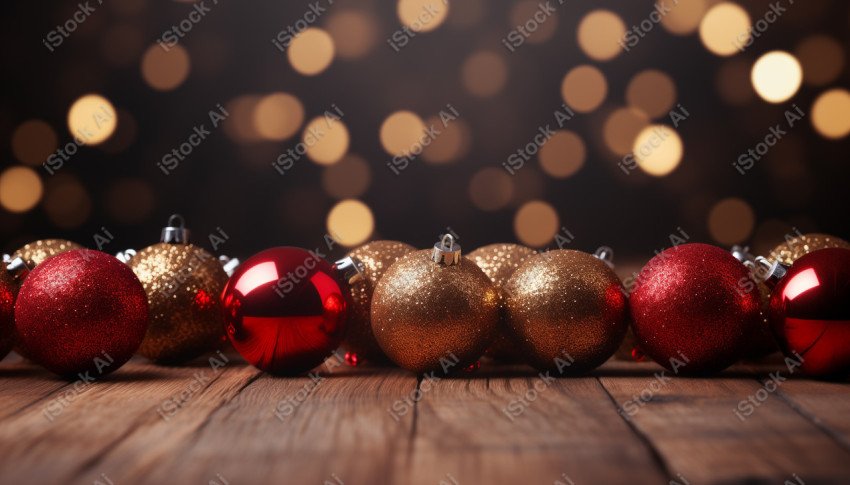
(326, 118)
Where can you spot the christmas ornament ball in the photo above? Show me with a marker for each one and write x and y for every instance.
(285, 310)
(376, 257)
(37, 252)
(810, 312)
(694, 309)
(567, 310)
(499, 261)
(8, 291)
(81, 311)
(435, 311)
(183, 283)
(793, 249)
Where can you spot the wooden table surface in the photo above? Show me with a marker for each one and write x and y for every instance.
(625, 423)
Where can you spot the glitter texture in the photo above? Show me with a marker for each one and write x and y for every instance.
(8, 290)
(423, 312)
(691, 302)
(565, 306)
(376, 257)
(499, 261)
(793, 249)
(183, 283)
(81, 311)
(36, 252)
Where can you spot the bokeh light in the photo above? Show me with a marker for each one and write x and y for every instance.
(622, 127)
(600, 34)
(165, 70)
(536, 223)
(490, 189)
(563, 154)
(326, 140)
(731, 221)
(311, 51)
(278, 116)
(452, 144)
(526, 14)
(822, 58)
(776, 76)
(350, 222)
(20, 189)
(652, 92)
(831, 113)
(66, 202)
(92, 119)
(733, 82)
(658, 150)
(130, 200)
(484, 73)
(402, 132)
(33, 141)
(725, 29)
(422, 15)
(354, 32)
(684, 16)
(584, 88)
(240, 126)
(347, 179)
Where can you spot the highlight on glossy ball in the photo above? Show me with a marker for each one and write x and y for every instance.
(695, 309)
(566, 310)
(81, 311)
(285, 310)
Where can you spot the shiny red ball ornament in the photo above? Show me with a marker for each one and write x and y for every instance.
(691, 310)
(285, 310)
(810, 312)
(81, 312)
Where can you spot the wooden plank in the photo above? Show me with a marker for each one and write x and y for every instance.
(63, 438)
(24, 385)
(825, 404)
(693, 425)
(277, 430)
(514, 427)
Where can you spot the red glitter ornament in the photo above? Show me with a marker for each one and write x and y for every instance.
(8, 290)
(285, 310)
(810, 312)
(691, 312)
(81, 312)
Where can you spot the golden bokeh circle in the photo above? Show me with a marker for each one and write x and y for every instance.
(684, 17)
(311, 51)
(422, 15)
(490, 189)
(831, 113)
(278, 116)
(453, 143)
(724, 30)
(776, 76)
(326, 140)
(622, 127)
(484, 73)
(347, 179)
(525, 14)
(350, 222)
(822, 58)
(92, 119)
(563, 154)
(658, 150)
(33, 141)
(731, 221)
(20, 189)
(354, 32)
(536, 223)
(66, 202)
(165, 70)
(584, 88)
(652, 92)
(401, 132)
(600, 34)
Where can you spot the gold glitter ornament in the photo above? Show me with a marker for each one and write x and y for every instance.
(567, 311)
(435, 310)
(36, 252)
(183, 284)
(376, 256)
(499, 261)
(795, 248)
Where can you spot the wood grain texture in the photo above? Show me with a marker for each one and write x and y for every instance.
(500, 425)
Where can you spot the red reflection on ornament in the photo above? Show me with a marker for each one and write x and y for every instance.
(352, 359)
(810, 312)
(203, 299)
(285, 310)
